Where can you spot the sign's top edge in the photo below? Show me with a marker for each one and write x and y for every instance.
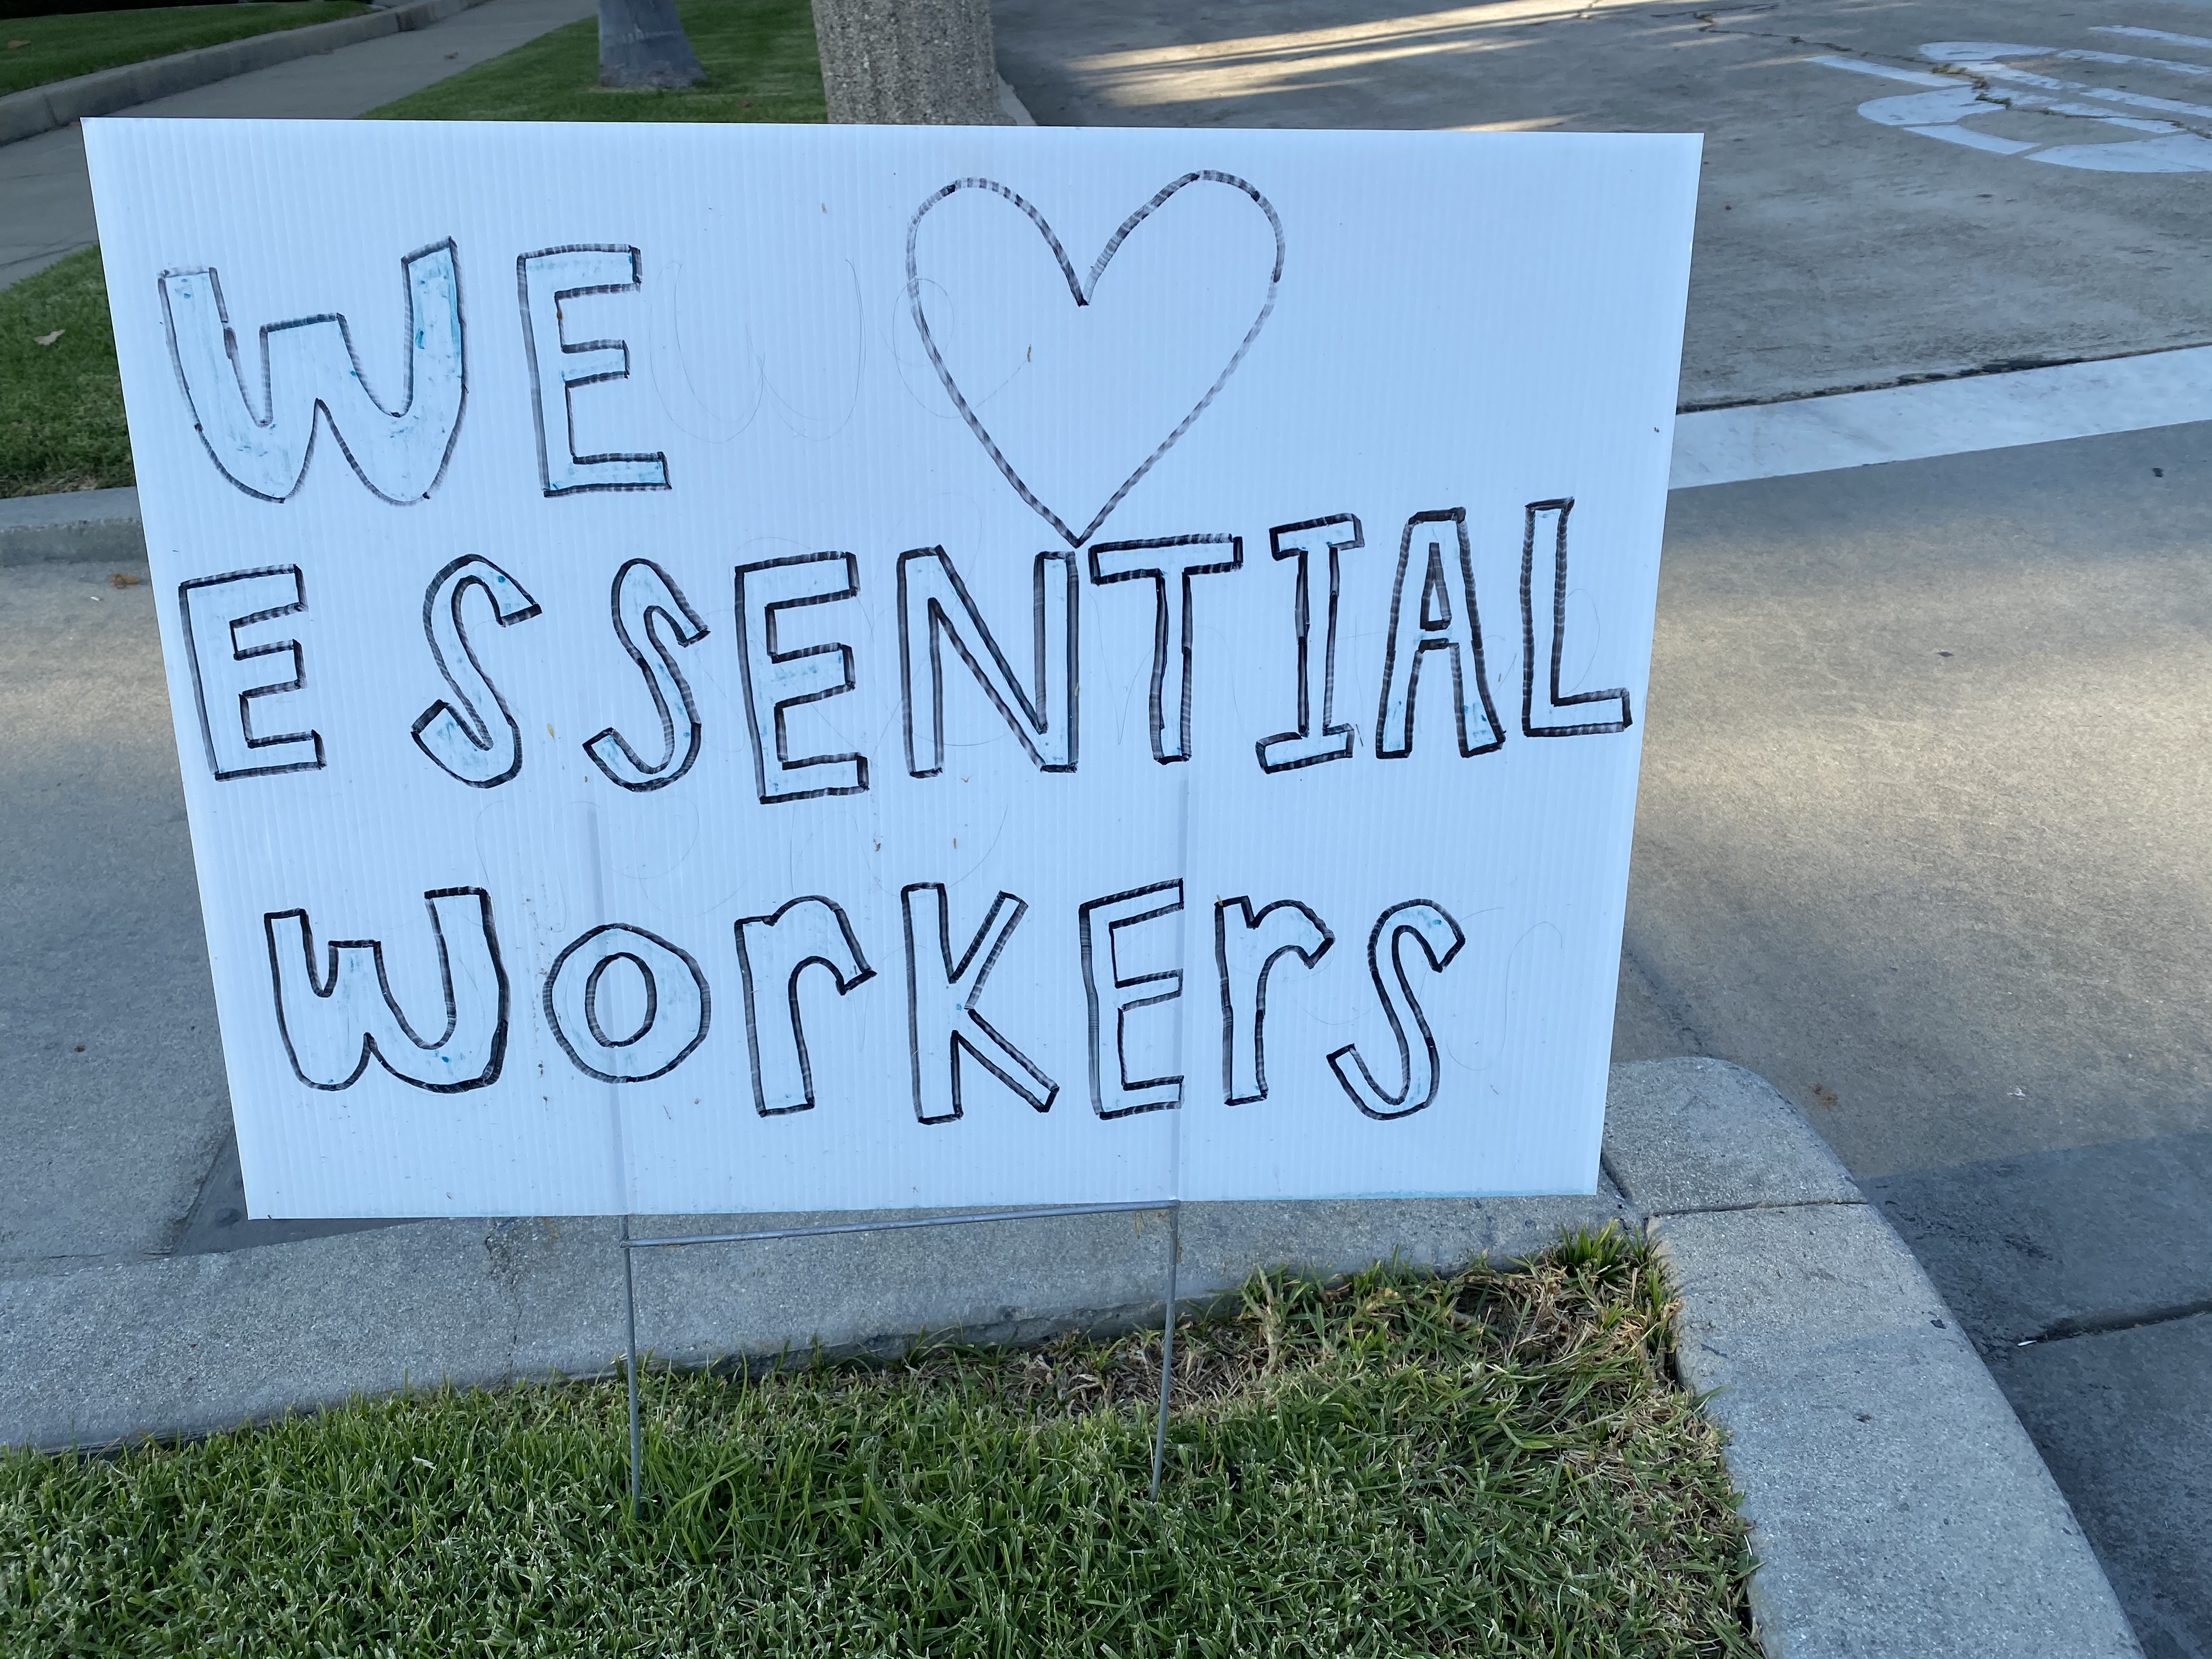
(614, 132)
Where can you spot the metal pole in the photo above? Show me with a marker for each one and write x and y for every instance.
(629, 1309)
(1167, 1347)
(1048, 1213)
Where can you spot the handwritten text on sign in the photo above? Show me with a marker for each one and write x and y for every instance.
(731, 669)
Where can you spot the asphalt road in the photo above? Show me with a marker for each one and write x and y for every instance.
(115, 1106)
(1921, 839)
(1833, 251)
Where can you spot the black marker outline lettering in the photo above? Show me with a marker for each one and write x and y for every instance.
(459, 717)
(1167, 599)
(319, 412)
(768, 656)
(1434, 632)
(1055, 630)
(1618, 696)
(592, 999)
(270, 688)
(1242, 1084)
(1386, 1105)
(342, 966)
(652, 941)
(1114, 904)
(990, 939)
(578, 349)
(848, 975)
(1301, 747)
(610, 751)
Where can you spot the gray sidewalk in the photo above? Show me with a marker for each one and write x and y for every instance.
(45, 199)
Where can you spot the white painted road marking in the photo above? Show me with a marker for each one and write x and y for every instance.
(2085, 55)
(2135, 34)
(1942, 417)
(1890, 72)
(1952, 98)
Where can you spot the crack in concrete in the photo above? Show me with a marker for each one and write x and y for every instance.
(1738, 1209)
(1994, 366)
(2059, 112)
(1672, 1003)
(1709, 26)
(2136, 1319)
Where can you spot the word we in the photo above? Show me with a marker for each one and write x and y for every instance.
(311, 377)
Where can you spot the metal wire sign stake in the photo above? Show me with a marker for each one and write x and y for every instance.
(630, 1246)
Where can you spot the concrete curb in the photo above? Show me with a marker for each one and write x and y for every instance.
(192, 1344)
(40, 109)
(1896, 1504)
(89, 523)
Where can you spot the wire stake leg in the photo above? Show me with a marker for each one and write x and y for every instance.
(629, 1371)
(1167, 1347)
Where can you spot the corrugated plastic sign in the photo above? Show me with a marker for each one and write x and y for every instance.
(744, 668)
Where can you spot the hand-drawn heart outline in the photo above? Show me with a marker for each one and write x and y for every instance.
(1081, 290)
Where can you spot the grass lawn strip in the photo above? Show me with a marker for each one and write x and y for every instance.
(61, 402)
(34, 51)
(61, 407)
(759, 56)
(1493, 1462)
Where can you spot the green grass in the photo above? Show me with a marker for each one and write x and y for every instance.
(759, 57)
(1492, 1463)
(36, 50)
(61, 405)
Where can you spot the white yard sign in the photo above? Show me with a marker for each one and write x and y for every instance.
(725, 669)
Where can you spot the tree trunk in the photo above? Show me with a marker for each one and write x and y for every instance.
(919, 62)
(643, 45)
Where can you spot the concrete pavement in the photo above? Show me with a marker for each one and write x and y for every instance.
(45, 199)
(116, 1105)
(1833, 251)
(1920, 839)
